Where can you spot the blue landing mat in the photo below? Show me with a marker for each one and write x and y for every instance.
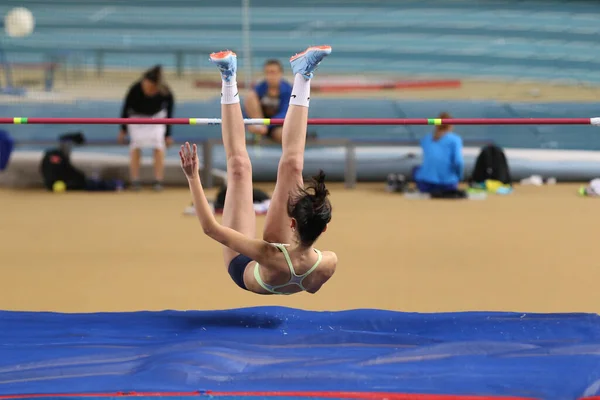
(550, 356)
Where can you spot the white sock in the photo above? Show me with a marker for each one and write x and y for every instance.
(300, 91)
(229, 92)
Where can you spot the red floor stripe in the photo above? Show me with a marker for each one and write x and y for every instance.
(389, 86)
(341, 87)
(332, 395)
(364, 395)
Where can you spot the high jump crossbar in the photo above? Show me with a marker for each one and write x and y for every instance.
(313, 121)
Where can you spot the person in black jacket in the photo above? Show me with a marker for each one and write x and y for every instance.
(149, 97)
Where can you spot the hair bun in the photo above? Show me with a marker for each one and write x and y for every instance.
(154, 74)
(321, 191)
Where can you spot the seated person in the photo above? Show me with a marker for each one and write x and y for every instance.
(269, 99)
(443, 164)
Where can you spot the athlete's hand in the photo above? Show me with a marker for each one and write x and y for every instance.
(189, 160)
(258, 129)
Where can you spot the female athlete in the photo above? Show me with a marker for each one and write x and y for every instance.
(284, 261)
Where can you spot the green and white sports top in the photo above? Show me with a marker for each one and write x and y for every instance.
(295, 279)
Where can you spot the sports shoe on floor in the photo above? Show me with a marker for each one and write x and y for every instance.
(396, 183)
(136, 186)
(392, 183)
(157, 186)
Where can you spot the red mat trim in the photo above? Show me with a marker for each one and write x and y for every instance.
(364, 395)
(332, 395)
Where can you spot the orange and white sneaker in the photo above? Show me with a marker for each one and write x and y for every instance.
(306, 62)
(226, 61)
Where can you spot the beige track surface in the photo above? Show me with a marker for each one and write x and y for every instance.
(113, 85)
(533, 251)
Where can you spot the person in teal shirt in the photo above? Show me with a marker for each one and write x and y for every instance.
(443, 165)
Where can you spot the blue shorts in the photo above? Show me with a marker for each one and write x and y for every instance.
(236, 269)
(426, 187)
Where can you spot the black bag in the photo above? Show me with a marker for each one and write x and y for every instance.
(56, 163)
(491, 164)
(258, 197)
(56, 166)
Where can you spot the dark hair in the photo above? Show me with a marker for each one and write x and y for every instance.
(444, 115)
(154, 74)
(274, 61)
(311, 209)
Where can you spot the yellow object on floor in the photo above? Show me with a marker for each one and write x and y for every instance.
(492, 186)
(59, 187)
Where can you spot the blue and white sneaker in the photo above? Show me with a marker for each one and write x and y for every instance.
(226, 61)
(305, 63)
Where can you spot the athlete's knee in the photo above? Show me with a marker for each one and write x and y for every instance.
(239, 167)
(251, 102)
(291, 165)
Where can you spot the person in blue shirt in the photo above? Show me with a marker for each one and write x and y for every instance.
(443, 164)
(269, 99)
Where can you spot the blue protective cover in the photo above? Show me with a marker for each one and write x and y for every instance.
(551, 356)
